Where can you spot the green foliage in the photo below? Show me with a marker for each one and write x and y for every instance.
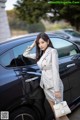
(67, 11)
(71, 13)
(35, 27)
(31, 10)
(17, 24)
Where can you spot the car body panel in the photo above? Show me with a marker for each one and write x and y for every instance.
(9, 85)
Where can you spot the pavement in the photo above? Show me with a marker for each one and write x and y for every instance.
(75, 115)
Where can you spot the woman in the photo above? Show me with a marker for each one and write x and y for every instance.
(47, 60)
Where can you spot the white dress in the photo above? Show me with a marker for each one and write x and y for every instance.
(50, 79)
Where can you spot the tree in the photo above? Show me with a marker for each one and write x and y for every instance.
(67, 11)
(17, 24)
(71, 13)
(32, 11)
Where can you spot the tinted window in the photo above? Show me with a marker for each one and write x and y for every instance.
(6, 59)
(18, 54)
(64, 47)
(14, 57)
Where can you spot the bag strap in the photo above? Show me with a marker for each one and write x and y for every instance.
(57, 100)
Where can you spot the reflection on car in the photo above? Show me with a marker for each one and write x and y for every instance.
(20, 93)
(69, 34)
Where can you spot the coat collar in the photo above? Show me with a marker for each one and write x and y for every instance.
(44, 56)
(46, 53)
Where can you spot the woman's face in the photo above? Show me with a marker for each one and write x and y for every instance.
(43, 44)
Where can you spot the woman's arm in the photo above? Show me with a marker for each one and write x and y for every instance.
(26, 53)
(58, 94)
(55, 71)
(56, 76)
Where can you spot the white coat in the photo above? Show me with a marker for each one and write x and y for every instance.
(50, 79)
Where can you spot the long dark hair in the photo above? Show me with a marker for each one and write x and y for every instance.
(45, 37)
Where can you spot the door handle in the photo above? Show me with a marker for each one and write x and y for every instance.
(31, 79)
(34, 73)
(70, 65)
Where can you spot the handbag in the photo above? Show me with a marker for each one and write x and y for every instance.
(61, 109)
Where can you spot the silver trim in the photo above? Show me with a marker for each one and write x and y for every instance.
(35, 73)
(70, 65)
(31, 79)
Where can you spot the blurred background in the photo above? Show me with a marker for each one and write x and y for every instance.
(29, 16)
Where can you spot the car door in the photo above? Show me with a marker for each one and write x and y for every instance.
(74, 73)
(27, 68)
(69, 71)
(9, 82)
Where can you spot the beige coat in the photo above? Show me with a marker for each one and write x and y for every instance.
(49, 66)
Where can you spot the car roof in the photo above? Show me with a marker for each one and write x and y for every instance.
(18, 37)
(23, 36)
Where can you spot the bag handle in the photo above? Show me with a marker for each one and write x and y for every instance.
(57, 100)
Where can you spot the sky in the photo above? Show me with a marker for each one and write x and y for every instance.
(10, 4)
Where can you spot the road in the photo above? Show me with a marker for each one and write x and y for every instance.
(75, 114)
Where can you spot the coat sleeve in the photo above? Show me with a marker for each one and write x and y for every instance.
(27, 53)
(55, 70)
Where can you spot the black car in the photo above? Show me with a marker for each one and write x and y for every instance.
(20, 93)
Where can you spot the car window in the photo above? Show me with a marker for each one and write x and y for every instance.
(64, 47)
(18, 54)
(14, 57)
(7, 59)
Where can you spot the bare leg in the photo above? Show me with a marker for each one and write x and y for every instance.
(51, 104)
(64, 118)
(61, 118)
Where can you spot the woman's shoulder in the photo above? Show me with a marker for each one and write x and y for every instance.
(53, 49)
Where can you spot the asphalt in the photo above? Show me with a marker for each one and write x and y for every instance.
(75, 115)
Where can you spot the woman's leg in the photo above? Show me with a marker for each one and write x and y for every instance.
(61, 118)
(51, 104)
(64, 118)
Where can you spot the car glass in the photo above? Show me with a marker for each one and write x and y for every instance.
(6, 59)
(18, 54)
(14, 57)
(64, 48)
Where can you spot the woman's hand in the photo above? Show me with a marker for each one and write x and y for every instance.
(57, 94)
(34, 43)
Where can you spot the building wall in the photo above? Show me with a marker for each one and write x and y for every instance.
(4, 26)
